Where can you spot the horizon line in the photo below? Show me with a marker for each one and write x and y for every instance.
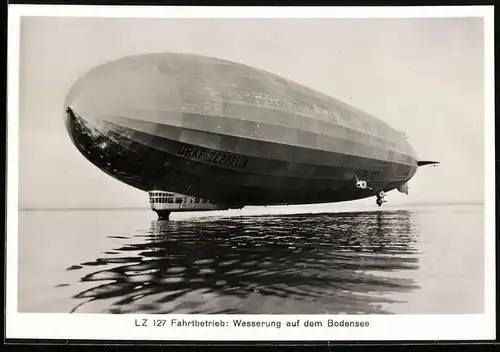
(92, 208)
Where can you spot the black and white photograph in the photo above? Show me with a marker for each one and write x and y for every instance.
(252, 168)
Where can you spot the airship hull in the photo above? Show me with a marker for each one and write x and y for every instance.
(229, 132)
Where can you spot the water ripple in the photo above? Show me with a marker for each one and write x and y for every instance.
(310, 263)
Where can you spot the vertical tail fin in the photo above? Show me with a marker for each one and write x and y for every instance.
(403, 188)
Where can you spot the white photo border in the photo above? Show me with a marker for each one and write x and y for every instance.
(125, 327)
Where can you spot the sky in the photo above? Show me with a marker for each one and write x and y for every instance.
(422, 76)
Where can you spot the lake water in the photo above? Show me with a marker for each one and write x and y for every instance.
(413, 260)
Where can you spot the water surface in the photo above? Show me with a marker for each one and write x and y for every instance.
(421, 260)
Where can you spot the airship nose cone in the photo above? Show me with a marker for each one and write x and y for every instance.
(99, 93)
(134, 85)
(69, 119)
(77, 131)
(141, 90)
(83, 135)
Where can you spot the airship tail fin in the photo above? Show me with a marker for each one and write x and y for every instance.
(403, 188)
(426, 162)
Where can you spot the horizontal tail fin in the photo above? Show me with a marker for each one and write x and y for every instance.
(423, 163)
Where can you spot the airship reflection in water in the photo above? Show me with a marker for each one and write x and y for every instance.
(201, 133)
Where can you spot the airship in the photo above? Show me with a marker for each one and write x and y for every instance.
(203, 133)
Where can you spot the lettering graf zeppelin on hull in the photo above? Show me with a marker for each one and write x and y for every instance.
(237, 135)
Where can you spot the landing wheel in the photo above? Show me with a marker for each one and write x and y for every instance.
(380, 198)
(163, 215)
